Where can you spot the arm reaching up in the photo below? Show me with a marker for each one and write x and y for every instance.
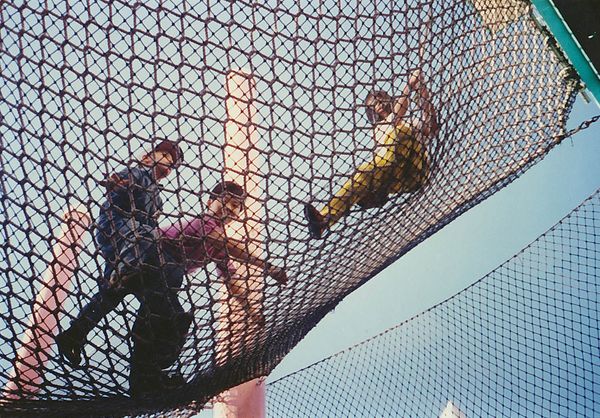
(430, 122)
(417, 84)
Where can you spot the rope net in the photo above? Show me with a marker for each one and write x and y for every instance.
(271, 96)
(521, 341)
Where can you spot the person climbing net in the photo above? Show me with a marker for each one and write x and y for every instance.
(150, 262)
(400, 163)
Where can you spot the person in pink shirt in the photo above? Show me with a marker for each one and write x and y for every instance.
(186, 246)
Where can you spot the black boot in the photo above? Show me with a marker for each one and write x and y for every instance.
(152, 382)
(70, 344)
(316, 223)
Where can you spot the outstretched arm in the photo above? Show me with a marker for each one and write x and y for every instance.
(237, 250)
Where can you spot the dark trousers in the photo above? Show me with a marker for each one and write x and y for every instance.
(157, 342)
(128, 247)
(161, 322)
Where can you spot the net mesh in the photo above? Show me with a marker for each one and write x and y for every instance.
(86, 87)
(521, 341)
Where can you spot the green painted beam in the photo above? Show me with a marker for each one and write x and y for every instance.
(570, 46)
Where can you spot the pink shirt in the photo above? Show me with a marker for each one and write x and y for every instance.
(187, 244)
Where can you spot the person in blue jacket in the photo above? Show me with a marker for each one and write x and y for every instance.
(126, 235)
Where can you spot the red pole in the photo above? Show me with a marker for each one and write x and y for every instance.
(31, 357)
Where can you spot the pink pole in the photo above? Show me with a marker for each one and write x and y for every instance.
(235, 325)
(243, 401)
(31, 357)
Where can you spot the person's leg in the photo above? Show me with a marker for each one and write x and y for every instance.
(144, 372)
(364, 179)
(170, 325)
(134, 240)
(159, 333)
(412, 170)
(367, 178)
(157, 343)
(371, 177)
(70, 342)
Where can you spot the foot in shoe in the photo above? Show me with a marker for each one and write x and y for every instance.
(69, 347)
(316, 221)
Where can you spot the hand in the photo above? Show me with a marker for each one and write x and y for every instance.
(278, 274)
(416, 77)
(114, 181)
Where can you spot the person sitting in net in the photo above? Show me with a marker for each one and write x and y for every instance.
(192, 244)
(400, 163)
(126, 232)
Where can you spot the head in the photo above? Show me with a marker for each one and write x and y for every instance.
(378, 105)
(163, 158)
(226, 201)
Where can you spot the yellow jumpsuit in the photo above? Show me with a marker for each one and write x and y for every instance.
(402, 168)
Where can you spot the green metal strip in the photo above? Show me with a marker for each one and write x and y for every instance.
(570, 46)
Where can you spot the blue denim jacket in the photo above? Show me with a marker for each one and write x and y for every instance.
(130, 209)
(139, 199)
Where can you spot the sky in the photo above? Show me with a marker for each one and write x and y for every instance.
(445, 263)
(462, 252)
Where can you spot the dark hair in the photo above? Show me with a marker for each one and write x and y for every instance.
(373, 116)
(230, 187)
(171, 148)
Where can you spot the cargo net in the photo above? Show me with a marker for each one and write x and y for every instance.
(272, 96)
(521, 341)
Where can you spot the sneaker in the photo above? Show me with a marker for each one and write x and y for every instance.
(69, 346)
(316, 222)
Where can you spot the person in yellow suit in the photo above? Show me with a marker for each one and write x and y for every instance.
(400, 163)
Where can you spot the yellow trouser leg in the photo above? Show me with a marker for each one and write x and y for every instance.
(367, 177)
(402, 149)
(412, 169)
